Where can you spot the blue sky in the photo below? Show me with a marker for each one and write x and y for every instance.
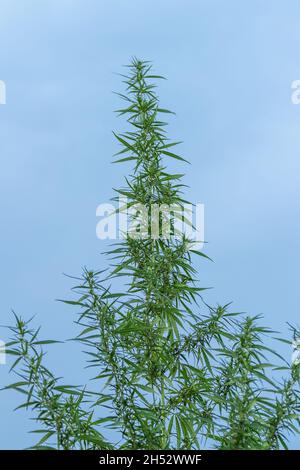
(229, 66)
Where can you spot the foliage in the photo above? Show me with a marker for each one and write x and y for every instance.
(176, 372)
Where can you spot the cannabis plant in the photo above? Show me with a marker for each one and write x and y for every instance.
(170, 371)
